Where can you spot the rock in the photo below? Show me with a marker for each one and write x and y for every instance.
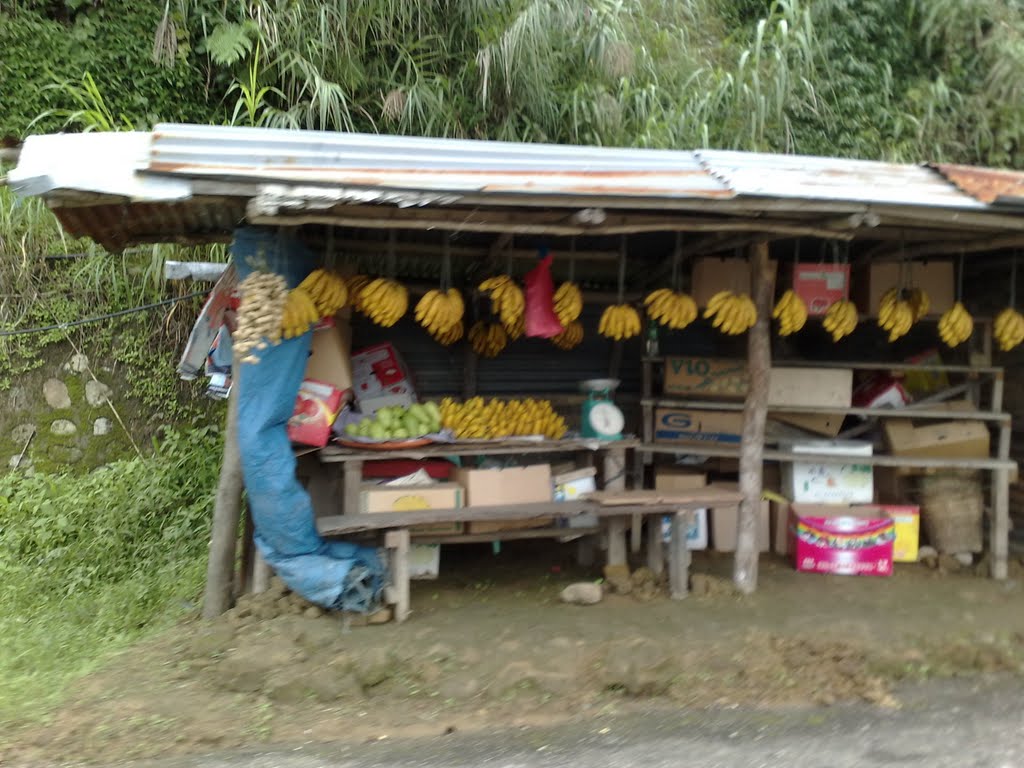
(78, 363)
(375, 668)
(949, 563)
(926, 552)
(582, 593)
(288, 689)
(381, 616)
(63, 427)
(618, 579)
(21, 433)
(703, 585)
(313, 612)
(97, 393)
(102, 426)
(20, 462)
(64, 454)
(643, 575)
(966, 559)
(56, 393)
(212, 639)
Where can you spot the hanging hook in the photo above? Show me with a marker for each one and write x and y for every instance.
(677, 254)
(572, 259)
(622, 268)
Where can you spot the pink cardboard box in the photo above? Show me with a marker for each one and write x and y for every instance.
(316, 408)
(839, 539)
(379, 371)
(821, 285)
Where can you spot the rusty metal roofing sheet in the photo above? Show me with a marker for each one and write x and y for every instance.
(427, 165)
(751, 174)
(987, 185)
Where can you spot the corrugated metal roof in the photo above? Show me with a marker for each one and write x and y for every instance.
(986, 185)
(138, 187)
(825, 178)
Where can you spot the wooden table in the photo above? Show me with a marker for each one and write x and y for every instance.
(614, 514)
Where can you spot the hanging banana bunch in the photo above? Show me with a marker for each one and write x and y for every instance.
(439, 311)
(488, 339)
(733, 313)
(1009, 329)
(569, 338)
(260, 313)
(620, 321)
(300, 312)
(673, 309)
(791, 312)
(956, 325)
(919, 302)
(327, 290)
(384, 301)
(356, 284)
(895, 314)
(841, 319)
(568, 301)
(449, 336)
(507, 299)
(517, 328)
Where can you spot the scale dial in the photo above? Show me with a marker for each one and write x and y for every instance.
(606, 419)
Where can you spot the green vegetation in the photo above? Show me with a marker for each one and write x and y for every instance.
(88, 563)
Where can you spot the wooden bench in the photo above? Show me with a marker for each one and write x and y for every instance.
(613, 511)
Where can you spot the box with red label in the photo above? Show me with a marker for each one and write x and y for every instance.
(841, 539)
(378, 371)
(316, 408)
(821, 285)
(880, 392)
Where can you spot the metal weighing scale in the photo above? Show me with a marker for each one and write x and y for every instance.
(601, 417)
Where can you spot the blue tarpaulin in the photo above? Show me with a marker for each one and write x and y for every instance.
(334, 574)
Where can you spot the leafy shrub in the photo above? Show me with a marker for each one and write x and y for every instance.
(87, 563)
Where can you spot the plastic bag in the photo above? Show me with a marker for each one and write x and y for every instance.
(541, 320)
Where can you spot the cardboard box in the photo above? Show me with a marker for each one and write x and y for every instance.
(316, 407)
(812, 483)
(512, 485)
(906, 520)
(821, 285)
(724, 525)
(675, 425)
(781, 534)
(936, 278)
(384, 498)
(711, 275)
(706, 377)
(817, 387)
(696, 534)
(837, 539)
(824, 424)
(329, 359)
(946, 439)
(674, 479)
(881, 392)
(577, 484)
(379, 371)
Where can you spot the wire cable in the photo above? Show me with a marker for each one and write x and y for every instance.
(101, 318)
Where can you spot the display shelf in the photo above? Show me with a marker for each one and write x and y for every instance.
(907, 412)
(865, 366)
(337, 454)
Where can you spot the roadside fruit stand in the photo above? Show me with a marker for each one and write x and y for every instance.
(456, 341)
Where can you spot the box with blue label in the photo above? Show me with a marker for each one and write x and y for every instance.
(678, 425)
(696, 533)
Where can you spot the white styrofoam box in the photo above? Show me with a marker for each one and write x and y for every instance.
(424, 561)
(809, 483)
(696, 534)
(577, 484)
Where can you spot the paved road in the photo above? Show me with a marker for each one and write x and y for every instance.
(952, 724)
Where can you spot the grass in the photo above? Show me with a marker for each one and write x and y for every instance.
(89, 564)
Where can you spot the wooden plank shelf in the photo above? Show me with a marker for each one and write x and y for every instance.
(862, 366)
(520, 535)
(914, 462)
(338, 454)
(907, 412)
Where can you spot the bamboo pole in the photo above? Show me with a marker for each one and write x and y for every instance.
(755, 413)
(226, 511)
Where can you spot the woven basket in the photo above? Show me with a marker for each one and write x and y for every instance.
(952, 505)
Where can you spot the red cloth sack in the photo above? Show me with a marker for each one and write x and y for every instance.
(541, 320)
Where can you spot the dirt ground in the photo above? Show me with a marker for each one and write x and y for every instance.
(490, 645)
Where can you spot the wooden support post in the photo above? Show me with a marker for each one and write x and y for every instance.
(679, 557)
(397, 544)
(755, 413)
(655, 547)
(616, 528)
(999, 525)
(220, 566)
(352, 482)
(261, 573)
(615, 480)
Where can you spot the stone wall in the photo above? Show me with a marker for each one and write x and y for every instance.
(65, 415)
